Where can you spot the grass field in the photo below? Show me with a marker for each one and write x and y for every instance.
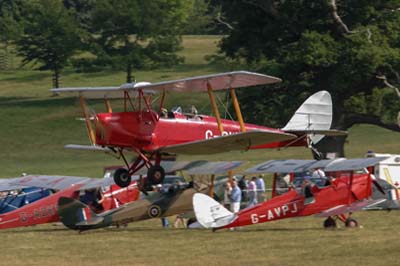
(35, 126)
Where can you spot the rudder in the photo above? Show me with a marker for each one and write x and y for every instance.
(314, 114)
(209, 213)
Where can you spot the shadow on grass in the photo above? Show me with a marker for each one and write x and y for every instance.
(33, 229)
(252, 230)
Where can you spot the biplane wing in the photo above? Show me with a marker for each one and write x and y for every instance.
(300, 166)
(49, 181)
(357, 206)
(89, 148)
(239, 141)
(6, 184)
(280, 166)
(58, 182)
(213, 168)
(222, 81)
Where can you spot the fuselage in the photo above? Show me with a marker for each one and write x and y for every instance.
(147, 132)
(45, 210)
(292, 203)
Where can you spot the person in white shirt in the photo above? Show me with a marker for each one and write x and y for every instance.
(260, 189)
(252, 192)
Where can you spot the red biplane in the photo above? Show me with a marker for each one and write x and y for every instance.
(154, 133)
(45, 210)
(339, 199)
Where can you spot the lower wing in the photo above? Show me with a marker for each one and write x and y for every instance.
(239, 141)
(357, 206)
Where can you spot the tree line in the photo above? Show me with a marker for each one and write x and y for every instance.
(107, 34)
(350, 48)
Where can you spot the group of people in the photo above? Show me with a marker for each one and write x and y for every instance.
(251, 191)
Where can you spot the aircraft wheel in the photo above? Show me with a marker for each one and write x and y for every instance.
(155, 175)
(330, 223)
(351, 223)
(121, 177)
(190, 221)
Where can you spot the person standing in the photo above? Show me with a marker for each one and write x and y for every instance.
(252, 192)
(260, 188)
(243, 183)
(227, 195)
(236, 197)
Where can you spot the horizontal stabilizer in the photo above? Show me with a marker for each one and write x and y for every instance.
(239, 141)
(93, 221)
(357, 206)
(209, 213)
(326, 132)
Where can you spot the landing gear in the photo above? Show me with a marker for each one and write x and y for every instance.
(330, 223)
(351, 223)
(122, 178)
(155, 175)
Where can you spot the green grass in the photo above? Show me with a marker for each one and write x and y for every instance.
(36, 126)
(299, 241)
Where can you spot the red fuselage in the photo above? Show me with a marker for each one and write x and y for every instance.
(147, 132)
(45, 210)
(291, 204)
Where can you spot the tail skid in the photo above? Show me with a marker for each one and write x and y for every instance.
(312, 117)
(209, 213)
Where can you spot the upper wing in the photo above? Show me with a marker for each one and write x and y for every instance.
(47, 181)
(357, 206)
(222, 81)
(239, 141)
(6, 184)
(280, 166)
(299, 166)
(212, 168)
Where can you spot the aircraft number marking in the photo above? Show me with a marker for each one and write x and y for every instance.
(38, 213)
(275, 213)
(209, 134)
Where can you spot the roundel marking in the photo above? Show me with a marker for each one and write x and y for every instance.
(154, 211)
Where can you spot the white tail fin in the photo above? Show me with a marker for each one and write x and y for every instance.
(209, 213)
(314, 114)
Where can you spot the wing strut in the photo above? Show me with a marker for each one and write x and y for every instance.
(214, 107)
(108, 105)
(87, 120)
(237, 110)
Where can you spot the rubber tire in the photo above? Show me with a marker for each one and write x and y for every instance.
(121, 177)
(190, 221)
(330, 223)
(155, 175)
(351, 223)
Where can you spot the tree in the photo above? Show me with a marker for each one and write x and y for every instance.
(133, 34)
(9, 16)
(50, 36)
(350, 48)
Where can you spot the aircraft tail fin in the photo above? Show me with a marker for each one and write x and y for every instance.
(76, 215)
(314, 114)
(209, 213)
